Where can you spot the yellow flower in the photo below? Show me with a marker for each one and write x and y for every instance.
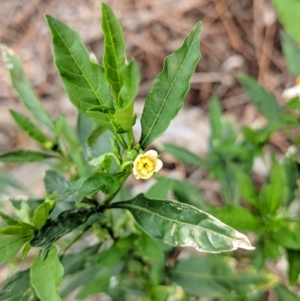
(292, 92)
(145, 165)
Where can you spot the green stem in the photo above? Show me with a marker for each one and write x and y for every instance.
(73, 241)
(121, 139)
(125, 164)
(111, 197)
(130, 138)
(115, 157)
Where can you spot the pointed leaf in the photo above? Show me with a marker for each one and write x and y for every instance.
(131, 79)
(55, 182)
(215, 114)
(46, 276)
(9, 246)
(289, 16)
(179, 224)
(23, 88)
(272, 194)
(169, 88)
(247, 188)
(114, 48)
(18, 230)
(29, 127)
(183, 155)
(291, 54)
(83, 80)
(265, 102)
(22, 156)
(42, 212)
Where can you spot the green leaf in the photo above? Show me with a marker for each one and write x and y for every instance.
(114, 49)
(23, 88)
(42, 212)
(17, 288)
(100, 117)
(46, 276)
(272, 194)
(148, 247)
(287, 235)
(18, 230)
(292, 175)
(29, 127)
(94, 136)
(25, 250)
(76, 153)
(9, 246)
(22, 156)
(55, 183)
(99, 283)
(236, 217)
(169, 88)
(289, 16)
(84, 129)
(131, 79)
(75, 262)
(183, 155)
(212, 277)
(83, 80)
(114, 254)
(65, 223)
(179, 224)
(284, 294)
(291, 54)
(215, 114)
(9, 220)
(107, 183)
(72, 282)
(293, 258)
(258, 137)
(186, 192)
(265, 102)
(183, 191)
(246, 187)
(160, 189)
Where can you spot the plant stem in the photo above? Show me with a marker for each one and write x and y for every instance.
(121, 139)
(111, 197)
(125, 164)
(73, 241)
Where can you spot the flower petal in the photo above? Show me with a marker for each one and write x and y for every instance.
(145, 177)
(158, 165)
(291, 92)
(151, 154)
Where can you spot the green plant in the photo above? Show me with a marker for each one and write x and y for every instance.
(135, 256)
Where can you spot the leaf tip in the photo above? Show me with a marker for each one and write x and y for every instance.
(241, 241)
